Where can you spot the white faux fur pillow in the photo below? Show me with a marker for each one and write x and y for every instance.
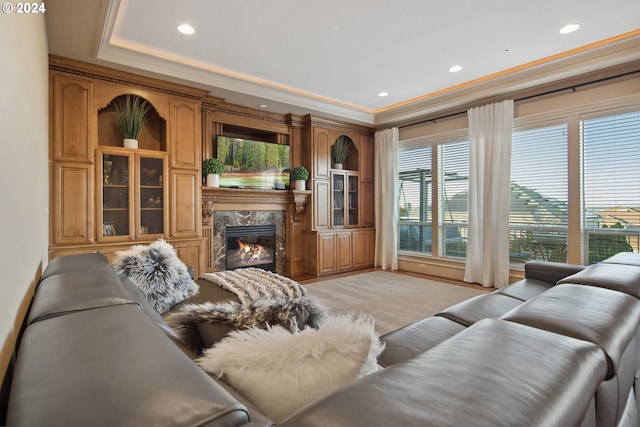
(280, 372)
(158, 272)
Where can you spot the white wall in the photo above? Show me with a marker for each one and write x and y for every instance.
(24, 170)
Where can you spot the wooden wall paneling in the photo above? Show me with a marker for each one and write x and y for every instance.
(185, 126)
(371, 247)
(72, 123)
(72, 203)
(321, 152)
(295, 142)
(366, 159)
(184, 210)
(343, 251)
(326, 253)
(358, 249)
(366, 211)
(192, 253)
(320, 206)
(295, 249)
(362, 248)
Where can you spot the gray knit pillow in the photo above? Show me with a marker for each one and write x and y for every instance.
(158, 272)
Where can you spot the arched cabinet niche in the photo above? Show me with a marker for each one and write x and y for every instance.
(341, 144)
(154, 130)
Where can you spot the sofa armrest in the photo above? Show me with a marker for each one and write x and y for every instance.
(550, 272)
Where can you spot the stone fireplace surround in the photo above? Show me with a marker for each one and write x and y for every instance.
(243, 218)
(243, 206)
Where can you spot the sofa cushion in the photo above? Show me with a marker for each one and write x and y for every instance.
(629, 258)
(604, 317)
(158, 272)
(525, 289)
(480, 307)
(492, 374)
(280, 371)
(619, 277)
(413, 339)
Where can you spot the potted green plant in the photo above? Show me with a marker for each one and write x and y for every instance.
(340, 150)
(212, 168)
(130, 114)
(299, 175)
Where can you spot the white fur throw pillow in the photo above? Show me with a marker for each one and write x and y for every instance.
(281, 372)
(158, 272)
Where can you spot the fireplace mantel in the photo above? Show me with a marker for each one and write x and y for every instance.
(252, 199)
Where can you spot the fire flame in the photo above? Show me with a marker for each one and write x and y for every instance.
(250, 251)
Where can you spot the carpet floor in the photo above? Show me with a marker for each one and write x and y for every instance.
(393, 298)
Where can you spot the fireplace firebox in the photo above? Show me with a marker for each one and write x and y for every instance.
(250, 246)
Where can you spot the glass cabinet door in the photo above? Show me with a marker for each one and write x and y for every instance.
(151, 202)
(134, 194)
(352, 196)
(337, 195)
(345, 210)
(116, 214)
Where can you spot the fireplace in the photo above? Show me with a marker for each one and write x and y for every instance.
(250, 246)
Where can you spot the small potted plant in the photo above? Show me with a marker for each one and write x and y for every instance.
(299, 175)
(130, 115)
(340, 150)
(212, 168)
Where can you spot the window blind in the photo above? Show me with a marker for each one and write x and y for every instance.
(611, 184)
(453, 198)
(538, 214)
(415, 196)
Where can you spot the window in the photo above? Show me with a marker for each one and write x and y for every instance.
(453, 201)
(575, 185)
(415, 220)
(538, 215)
(610, 185)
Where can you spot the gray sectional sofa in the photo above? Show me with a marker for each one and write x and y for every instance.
(558, 348)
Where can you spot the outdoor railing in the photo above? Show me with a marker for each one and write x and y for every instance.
(526, 241)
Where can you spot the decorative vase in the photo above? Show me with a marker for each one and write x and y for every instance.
(213, 180)
(337, 166)
(299, 185)
(130, 143)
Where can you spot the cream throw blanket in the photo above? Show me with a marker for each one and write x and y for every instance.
(255, 284)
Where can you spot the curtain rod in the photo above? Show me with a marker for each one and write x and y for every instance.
(524, 98)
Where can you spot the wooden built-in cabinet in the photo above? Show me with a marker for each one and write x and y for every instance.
(105, 197)
(339, 225)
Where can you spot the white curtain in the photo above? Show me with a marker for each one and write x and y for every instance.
(386, 198)
(490, 130)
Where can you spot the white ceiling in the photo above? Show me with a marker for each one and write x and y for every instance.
(333, 56)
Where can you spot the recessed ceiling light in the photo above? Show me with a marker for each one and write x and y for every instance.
(262, 105)
(569, 28)
(186, 29)
(383, 93)
(455, 68)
